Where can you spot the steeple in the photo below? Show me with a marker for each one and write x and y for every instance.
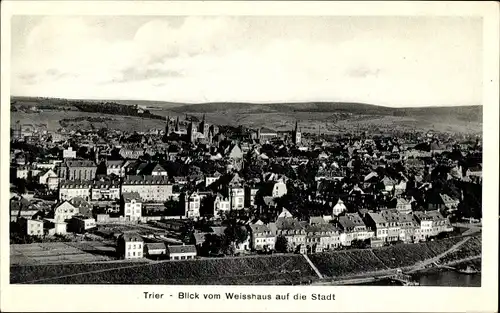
(191, 132)
(167, 126)
(297, 138)
(177, 124)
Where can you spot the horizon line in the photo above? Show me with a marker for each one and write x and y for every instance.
(264, 103)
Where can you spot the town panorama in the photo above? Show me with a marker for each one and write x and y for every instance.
(190, 201)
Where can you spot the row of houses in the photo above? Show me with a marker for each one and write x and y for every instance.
(322, 233)
(132, 246)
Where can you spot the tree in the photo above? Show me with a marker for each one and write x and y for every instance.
(281, 244)
(214, 244)
(236, 233)
(21, 185)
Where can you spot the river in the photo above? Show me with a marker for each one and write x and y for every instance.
(448, 278)
(445, 278)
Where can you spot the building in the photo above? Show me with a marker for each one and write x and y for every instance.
(155, 250)
(338, 208)
(378, 224)
(293, 231)
(279, 189)
(221, 205)
(130, 246)
(105, 190)
(150, 188)
(407, 225)
(81, 224)
(296, 135)
(69, 153)
(181, 252)
(403, 206)
(84, 208)
(158, 170)
(264, 134)
(31, 227)
(116, 167)
(21, 208)
(359, 230)
(320, 237)
(450, 204)
(131, 206)
(50, 179)
(22, 172)
(72, 189)
(261, 237)
(191, 204)
(393, 227)
(65, 211)
(131, 152)
(204, 128)
(77, 170)
(250, 194)
(212, 178)
(237, 197)
(432, 223)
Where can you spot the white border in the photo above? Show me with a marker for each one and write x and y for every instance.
(352, 298)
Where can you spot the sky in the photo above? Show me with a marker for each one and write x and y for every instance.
(390, 61)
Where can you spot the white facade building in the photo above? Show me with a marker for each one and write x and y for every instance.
(71, 189)
(132, 206)
(69, 153)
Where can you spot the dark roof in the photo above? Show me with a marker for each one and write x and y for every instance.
(155, 245)
(182, 249)
(130, 237)
(346, 223)
(76, 184)
(145, 180)
(80, 163)
(129, 196)
(114, 163)
(292, 223)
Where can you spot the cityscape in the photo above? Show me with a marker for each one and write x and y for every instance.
(243, 192)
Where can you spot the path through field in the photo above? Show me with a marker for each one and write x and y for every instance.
(423, 264)
(313, 266)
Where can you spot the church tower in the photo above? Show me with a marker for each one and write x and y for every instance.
(203, 127)
(191, 132)
(297, 136)
(177, 124)
(167, 126)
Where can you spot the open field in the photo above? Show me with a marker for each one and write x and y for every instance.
(60, 252)
(52, 119)
(276, 269)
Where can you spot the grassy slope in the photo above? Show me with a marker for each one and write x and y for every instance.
(247, 270)
(276, 269)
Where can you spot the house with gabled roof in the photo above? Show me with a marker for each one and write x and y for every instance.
(130, 246)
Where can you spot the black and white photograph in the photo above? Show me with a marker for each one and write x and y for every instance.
(246, 150)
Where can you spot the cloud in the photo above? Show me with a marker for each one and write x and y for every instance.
(136, 74)
(259, 59)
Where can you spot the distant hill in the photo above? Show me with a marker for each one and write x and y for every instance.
(313, 117)
(463, 113)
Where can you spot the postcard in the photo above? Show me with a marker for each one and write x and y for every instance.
(249, 156)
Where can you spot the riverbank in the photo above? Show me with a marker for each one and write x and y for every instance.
(349, 267)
